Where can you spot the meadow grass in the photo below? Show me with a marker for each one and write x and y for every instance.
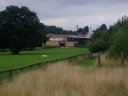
(8, 61)
(63, 79)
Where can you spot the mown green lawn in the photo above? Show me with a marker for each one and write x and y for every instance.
(8, 61)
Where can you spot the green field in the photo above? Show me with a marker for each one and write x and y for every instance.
(8, 61)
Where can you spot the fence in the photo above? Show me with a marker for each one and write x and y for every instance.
(31, 66)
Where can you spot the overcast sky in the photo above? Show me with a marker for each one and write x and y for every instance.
(69, 13)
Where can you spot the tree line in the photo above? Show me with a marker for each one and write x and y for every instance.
(112, 40)
(58, 30)
(84, 30)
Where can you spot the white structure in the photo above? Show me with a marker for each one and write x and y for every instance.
(58, 37)
(54, 37)
(88, 36)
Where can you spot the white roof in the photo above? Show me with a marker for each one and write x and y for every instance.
(57, 39)
(89, 35)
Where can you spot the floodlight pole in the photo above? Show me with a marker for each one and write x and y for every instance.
(77, 27)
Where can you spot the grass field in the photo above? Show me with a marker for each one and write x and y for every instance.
(63, 79)
(8, 61)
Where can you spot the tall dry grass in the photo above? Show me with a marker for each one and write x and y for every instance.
(111, 62)
(106, 61)
(63, 79)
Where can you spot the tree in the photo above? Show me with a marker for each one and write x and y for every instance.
(39, 38)
(43, 34)
(80, 30)
(120, 44)
(120, 38)
(19, 28)
(99, 40)
(57, 30)
(99, 45)
(114, 40)
(103, 27)
(86, 29)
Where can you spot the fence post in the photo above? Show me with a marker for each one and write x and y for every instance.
(122, 58)
(90, 55)
(10, 73)
(99, 60)
(32, 67)
(22, 69)
(39, 64)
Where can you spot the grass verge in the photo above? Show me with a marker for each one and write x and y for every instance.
(63, 79)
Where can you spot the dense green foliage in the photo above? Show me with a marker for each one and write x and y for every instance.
(119, 37)
(114, 40)
(99, 39)
(57, 30)
(84, 30)
(20, 28)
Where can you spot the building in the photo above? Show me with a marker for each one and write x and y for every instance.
(53, 37)
(61, 44)
(68, 40)
(53, 43)
(68, 44)
(80, 38)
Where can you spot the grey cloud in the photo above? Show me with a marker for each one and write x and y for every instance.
(68, 13)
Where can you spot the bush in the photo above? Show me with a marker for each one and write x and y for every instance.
(99, 45)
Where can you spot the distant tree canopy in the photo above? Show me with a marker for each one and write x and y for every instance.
(84, 30)
(57, 30)
(80, 30)
(20, 28)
